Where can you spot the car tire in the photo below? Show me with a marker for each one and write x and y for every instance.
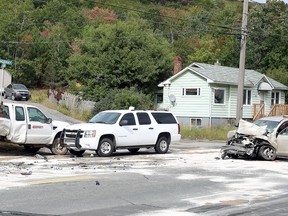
(5, 95)
(267, 152)
(105, 147)
(133, 150)
(13, 97)
(77, 153)
(31, 149)
(162, 145)
(58, 149)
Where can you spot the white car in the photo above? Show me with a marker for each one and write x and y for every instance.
(128, 129)
(266, 138)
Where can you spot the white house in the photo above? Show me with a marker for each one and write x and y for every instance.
(205, 95)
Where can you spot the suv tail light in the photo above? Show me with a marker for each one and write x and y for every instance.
(179, 129)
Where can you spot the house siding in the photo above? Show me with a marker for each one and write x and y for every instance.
(188, 105)
(201, 108)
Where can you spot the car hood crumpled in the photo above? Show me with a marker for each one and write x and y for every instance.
(249, 128)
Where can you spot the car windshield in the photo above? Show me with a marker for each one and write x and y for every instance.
(105, 118)
(20, 87)
(267, 124)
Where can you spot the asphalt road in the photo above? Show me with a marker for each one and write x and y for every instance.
(189, 180)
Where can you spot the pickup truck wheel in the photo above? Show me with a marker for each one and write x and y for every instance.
(58, 149)
(267, 153)
(133, 150)
(105, 147)
(162, 145)
(31, 149)
(77, 153)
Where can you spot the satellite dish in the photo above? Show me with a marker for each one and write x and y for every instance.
(172, 98)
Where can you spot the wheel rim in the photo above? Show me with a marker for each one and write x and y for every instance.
(105, 147)
(269, 152)
(13, 97)
(59, 148)
(163, 145)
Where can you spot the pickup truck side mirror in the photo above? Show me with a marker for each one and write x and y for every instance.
(49, 121)
(123, 122)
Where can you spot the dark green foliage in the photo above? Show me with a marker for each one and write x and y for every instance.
(120, 55)
(101, 48)
(123, 99)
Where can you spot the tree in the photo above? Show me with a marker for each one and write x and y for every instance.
(120, 55)
(267, 40)
(122, 99)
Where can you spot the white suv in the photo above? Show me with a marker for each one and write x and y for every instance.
(117, 129)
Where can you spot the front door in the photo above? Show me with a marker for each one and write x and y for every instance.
(127, 135)
(38, 130)
(19, 126)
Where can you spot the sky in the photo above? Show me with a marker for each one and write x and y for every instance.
(263, 1)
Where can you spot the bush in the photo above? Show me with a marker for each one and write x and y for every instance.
(122, 99)
(214, 133)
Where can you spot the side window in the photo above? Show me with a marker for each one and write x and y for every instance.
(282, 127)
(275, 98)
(5, 112)
(219, 96)
(196, 122)
(19, 111)
(191, 91)
(247, 97)
(164, 118)
(143, 118)
(130, 118)
(36, 115)
(284, 132)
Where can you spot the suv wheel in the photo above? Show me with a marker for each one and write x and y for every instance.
(162, 145)
(105, 147)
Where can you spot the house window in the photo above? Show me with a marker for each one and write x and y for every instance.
(247, 97)
(191, 91)
(159, 98)
(275, 98)
(196, 122)
(219, 96)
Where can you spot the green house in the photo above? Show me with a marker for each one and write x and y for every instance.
(205, 95)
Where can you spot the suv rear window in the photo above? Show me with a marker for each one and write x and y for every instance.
(164, 118)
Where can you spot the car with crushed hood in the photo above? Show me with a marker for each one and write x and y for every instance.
(266, 138)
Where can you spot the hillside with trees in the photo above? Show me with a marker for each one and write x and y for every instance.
(117, 52)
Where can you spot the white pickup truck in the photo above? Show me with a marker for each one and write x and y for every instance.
(129, 129)
(26, 125)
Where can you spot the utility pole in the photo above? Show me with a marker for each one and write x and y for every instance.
(239, 111)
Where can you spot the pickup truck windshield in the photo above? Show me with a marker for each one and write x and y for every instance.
(105, 118)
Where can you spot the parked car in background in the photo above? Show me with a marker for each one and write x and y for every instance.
(17, 92)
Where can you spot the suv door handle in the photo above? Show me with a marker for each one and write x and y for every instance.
(135, 128)
(151, 128)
